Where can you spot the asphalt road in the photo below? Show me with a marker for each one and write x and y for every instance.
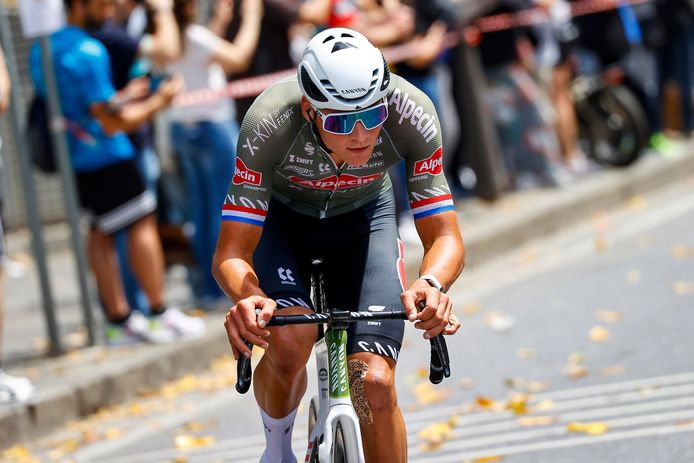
(590, 329)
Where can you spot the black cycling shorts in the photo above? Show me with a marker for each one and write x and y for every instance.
(363, 266)
(115, 196)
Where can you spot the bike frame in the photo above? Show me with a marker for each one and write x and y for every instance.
(333, 394)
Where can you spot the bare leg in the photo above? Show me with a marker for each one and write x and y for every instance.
(147, 258)
(385, 439)
(280, 379)
(566, 123)
(104, 264)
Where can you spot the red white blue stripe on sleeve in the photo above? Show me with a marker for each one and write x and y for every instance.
(243, 214)
(431, 206)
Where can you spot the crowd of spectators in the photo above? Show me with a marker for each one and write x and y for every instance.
(120, 63)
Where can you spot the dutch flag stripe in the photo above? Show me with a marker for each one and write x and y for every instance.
(432, 206)
(436, 199)
(235, 208)
(243, 219)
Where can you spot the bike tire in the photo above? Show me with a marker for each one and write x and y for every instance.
(345, 443)
(313, 410)
(622, 143)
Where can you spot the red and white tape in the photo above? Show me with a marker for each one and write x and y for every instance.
(253, 86)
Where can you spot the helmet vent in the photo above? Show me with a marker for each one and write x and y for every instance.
(310, 88)
(346, 34)
(386, 75)
(329, 38)
(341, 46)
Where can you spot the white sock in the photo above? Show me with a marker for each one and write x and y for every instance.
(278, 438)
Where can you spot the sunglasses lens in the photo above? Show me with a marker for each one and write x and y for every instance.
(344, 123)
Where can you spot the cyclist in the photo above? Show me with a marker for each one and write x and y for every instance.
(311, 181)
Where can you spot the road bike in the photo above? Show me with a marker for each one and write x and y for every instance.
(333, 426)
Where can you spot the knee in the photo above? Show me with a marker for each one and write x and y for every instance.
(289, 350)
(379, 387)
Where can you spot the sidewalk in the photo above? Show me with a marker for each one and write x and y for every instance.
(87, 379)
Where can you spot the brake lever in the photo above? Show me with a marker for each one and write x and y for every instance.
(440, 365)
(244, 372)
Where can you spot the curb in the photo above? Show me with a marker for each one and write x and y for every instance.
(98, 386)
(532, 215)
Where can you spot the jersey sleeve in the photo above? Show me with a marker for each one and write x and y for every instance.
(261, 147)
(95, 70)
(413, 116)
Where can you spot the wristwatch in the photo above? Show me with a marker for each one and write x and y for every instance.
(433, 282)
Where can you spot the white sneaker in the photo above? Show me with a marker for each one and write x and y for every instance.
(183, 325)
(139, 328)
(15, 389)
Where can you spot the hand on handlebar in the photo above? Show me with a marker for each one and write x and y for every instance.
(246, 321)
(437, 315)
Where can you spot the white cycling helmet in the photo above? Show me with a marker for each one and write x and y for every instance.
(341, 70)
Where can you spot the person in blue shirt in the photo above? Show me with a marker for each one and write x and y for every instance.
(109, 183)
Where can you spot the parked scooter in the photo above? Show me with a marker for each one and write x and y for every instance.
(613, 126)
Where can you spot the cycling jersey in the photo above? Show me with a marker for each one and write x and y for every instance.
(280, 157)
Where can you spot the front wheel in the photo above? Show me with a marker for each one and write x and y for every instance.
(313, 411)
(345, 443)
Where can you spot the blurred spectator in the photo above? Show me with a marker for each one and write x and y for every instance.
(131, 57)
(273, 51)
(432, 21)
(13, 389)
(556, 37)
(204, 134)
(676, 56)
(527, 138)
(109, 183)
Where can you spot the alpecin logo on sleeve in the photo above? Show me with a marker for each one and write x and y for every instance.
(245, 175)
(433, 165)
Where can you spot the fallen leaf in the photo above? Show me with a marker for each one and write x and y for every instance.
(544, 405)
(530, 421)
(466, 383)
(594, 428)
(188, 442)
(576, 358)
(634, 277)
(526, 353)
(484, 402)
(113, 433)
(615, 370)
(435, 434)
(488, 459)
(518, 404)
(681, 252)
(538, 386)
(608, 316)
(575, 371)
(599, 334)
(499, 321)
(683, 287)
(471, 308)
(636, 203)
(600, 244)
(427, 394)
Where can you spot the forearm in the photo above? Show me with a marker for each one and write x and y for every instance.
(130, 117)
(236, 277)
(246, 41)
(166, 41)
(445, 259)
